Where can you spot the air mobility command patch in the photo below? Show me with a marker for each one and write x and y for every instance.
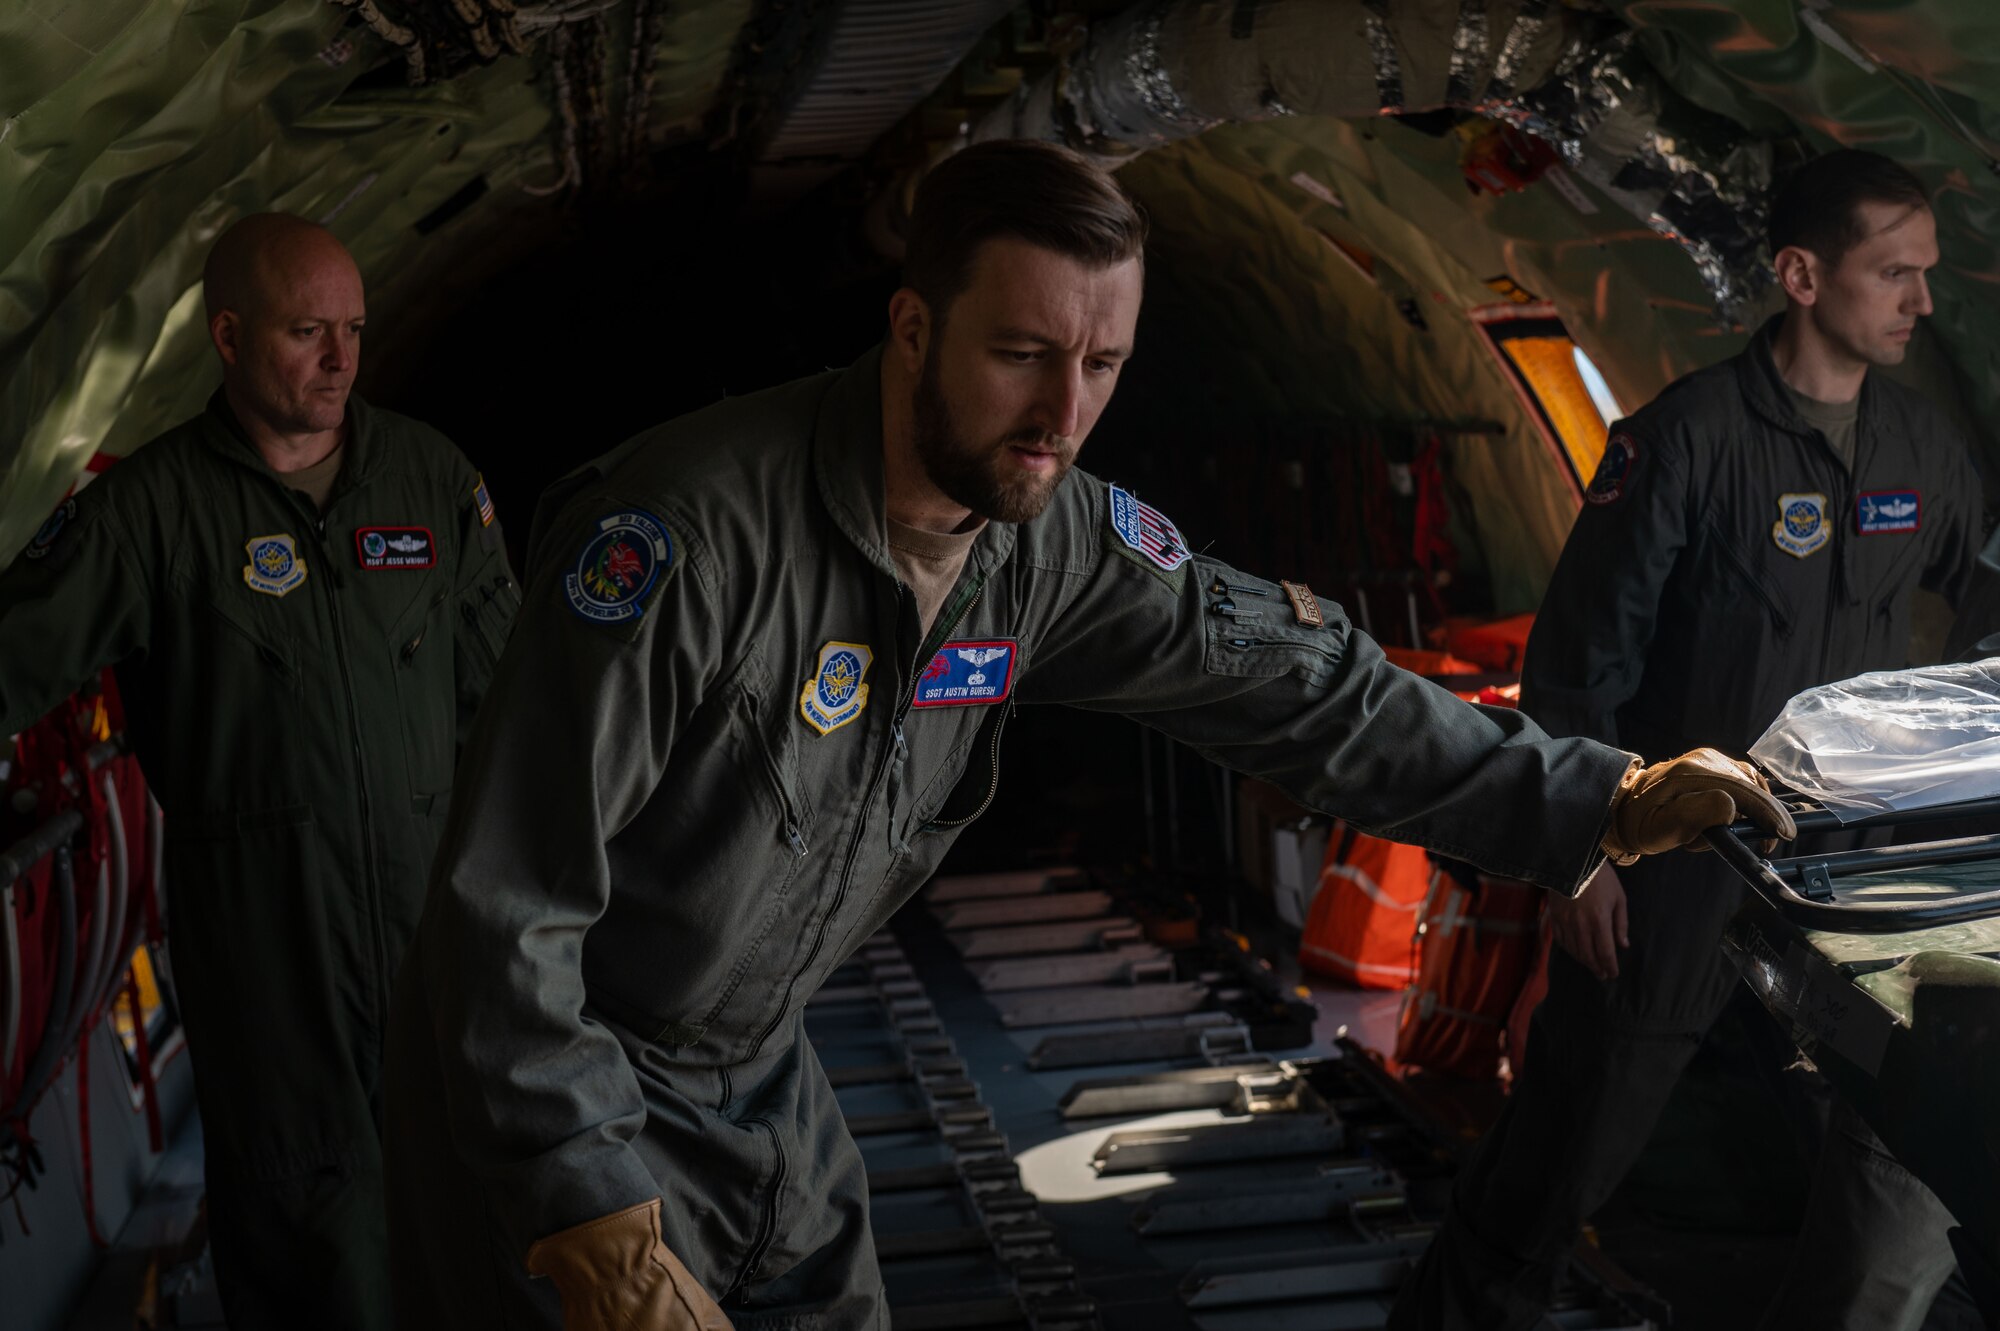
(45, 536)
(275, 567)
(618, 567)
(395, 547)
(1146, 536)
(1802, 526)
(1614, 470)
(967, 674)
(838, 690)
(1879, 511)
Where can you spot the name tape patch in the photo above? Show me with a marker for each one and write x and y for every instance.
(395, 547)
(618, 566)
(967, 674)
(1147, 531)
(1879, 511)
(838, 689)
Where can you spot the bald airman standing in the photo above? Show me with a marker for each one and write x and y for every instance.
(305, 597)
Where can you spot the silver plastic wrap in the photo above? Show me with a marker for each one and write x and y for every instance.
(1692, 176)
(1468, 51)
(1891, 740)
(1388, 65)
(1521, 38)
(1169, 69)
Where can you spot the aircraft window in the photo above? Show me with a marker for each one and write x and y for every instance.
(162, 1025)
(1600, 392)
(1563, 390)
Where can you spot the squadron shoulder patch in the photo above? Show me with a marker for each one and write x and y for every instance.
(45, 536)
(1880, 511)
(1145, 535)
(275, 567)
(967, 674)
(1614, 470)
(838, 689)
(395, 547)
(618, 567)
(1801, 527)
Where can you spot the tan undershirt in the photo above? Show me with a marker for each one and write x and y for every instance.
(317, 480)
(1836, 420)
(930, 563)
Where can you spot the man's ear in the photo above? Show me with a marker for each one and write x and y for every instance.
(910, 328)
(1799, 273)
(225, 330)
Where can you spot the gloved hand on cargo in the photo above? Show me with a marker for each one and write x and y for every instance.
(616, 1274)
(1669, 805)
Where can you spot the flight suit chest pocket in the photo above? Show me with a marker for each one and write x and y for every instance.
(770, 734)
(249, 652)
(1738, 586)
(486, 615)
(966, 782)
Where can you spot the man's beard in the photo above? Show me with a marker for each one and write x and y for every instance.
(971, 475)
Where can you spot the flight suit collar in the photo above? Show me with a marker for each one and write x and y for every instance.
(847, 462)
(224, 433)
(1764, 389)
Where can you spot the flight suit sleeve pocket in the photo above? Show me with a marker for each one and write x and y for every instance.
(488, 610)
(1255, 630)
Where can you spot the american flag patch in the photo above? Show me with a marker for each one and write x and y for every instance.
(1148, 531)
(484, 500)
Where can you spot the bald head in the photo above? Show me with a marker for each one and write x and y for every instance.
(263, 254)
(285, 311)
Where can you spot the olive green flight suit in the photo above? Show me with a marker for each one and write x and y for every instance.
(295, 686)
(1725, 559)
(722, 754)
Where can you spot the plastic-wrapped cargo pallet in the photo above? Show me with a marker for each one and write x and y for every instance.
(1891, 740)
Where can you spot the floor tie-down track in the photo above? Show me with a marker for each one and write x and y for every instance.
(1075, 1116)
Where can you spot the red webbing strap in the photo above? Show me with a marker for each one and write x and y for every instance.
(142, 1045)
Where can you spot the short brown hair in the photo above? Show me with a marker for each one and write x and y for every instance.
(1819, 207)
(1037, 192)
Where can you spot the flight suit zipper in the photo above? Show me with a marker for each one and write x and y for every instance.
(1837, 575)
(767, 1227)
(794, 825)
(993, 779)
(898, 749)
(372, 887)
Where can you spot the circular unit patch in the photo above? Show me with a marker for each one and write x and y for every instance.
(375, 545)
(45, 536)
(618, 567)
(1608, 486)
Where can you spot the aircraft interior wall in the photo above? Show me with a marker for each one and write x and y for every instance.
(1379, 353)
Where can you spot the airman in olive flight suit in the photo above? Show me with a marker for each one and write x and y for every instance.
(734, 735)
(296, 676)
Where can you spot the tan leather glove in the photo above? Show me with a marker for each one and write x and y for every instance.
(615, 1274)
(1669, 805)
